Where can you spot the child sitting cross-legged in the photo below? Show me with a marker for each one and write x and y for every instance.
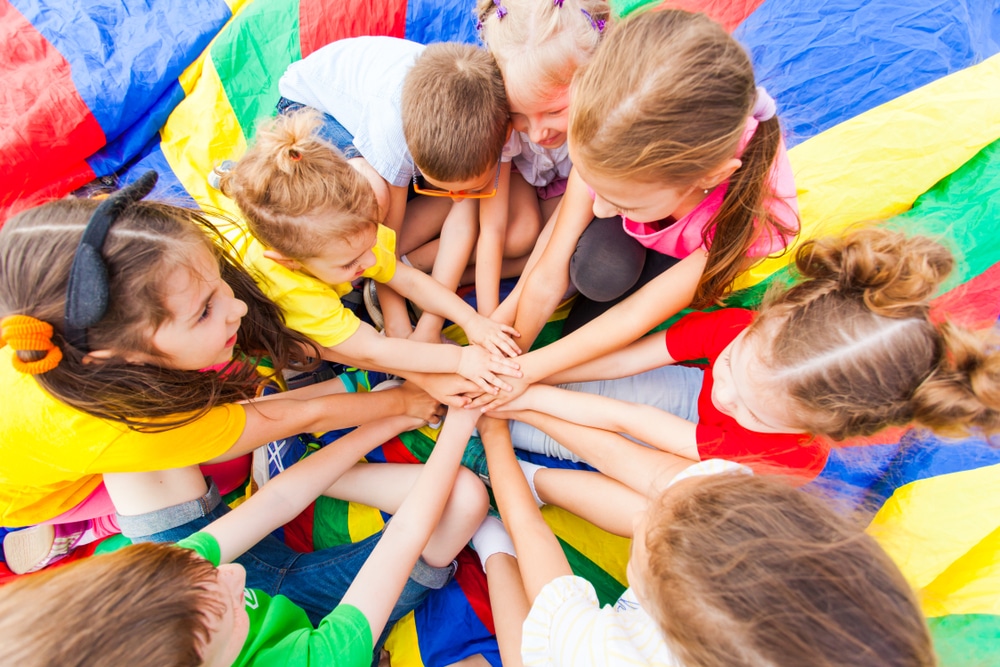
(158, 604)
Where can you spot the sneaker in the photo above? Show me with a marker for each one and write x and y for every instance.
(370, 295)
(33, 548)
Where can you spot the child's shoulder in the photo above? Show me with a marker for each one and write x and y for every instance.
(368, 47)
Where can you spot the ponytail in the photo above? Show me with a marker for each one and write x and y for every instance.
(734, 230)
(289, 174)
(854, 345)
(964, 390)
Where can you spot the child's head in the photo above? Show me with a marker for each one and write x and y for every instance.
(145, 605)
(660, 116)
(539, 46)
(455, 116)
(854, 349)
(743, 570)
(176, 303)
(299, 195)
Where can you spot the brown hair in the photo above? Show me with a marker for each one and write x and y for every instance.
(454, 112)
(297, 192)
(748, 571)
(666, 100)
(540, 45)
(146, 243)
(145, 605)
(856, 349)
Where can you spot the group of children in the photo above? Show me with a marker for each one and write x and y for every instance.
(137, 335)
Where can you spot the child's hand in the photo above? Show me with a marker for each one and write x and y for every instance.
(481, 367)
(419, 404)
(493, 401)
(448, 388)
(494, 336)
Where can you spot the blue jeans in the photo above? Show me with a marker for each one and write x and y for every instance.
(330, 129)
(673, 389)
(314, 581)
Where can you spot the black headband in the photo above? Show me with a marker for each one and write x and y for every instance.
(87, 291)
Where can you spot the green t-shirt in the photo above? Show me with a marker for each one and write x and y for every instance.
(281, 634)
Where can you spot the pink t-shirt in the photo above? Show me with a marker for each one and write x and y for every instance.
(685, 236)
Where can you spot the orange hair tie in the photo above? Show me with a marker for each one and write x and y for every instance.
(26, 333)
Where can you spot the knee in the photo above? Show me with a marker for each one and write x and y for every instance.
(606, 262)
(468, 501)
(522, 233)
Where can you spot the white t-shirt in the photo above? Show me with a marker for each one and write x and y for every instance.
(567, 627)
(537, 165)
(359, 81)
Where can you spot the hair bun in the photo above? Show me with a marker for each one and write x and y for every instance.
(892, 272)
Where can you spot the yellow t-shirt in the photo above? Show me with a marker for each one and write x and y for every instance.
(311, 306)
(52, 455)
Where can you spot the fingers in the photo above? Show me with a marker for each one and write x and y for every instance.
(503, 345)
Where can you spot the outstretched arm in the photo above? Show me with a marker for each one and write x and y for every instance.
(284, 497)
(662, 297)
(434, 297)
(643, 355)
(539, 556)
(381, 579)
(645, 423)
(493, 216)
(641, 468)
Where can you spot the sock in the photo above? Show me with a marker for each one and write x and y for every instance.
(492, 538)
(529, 470)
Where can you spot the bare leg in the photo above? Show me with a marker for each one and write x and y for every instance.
(386, 485)
(606, 503)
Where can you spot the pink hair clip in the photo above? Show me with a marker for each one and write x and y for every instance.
(558, 3)
(501, 10)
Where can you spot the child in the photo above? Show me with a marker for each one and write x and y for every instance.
(123, 374)
(315, 230)
(681, 143)
(847, 352)
(166, 605)
(725, 569)
(436, 118)
(538, 47)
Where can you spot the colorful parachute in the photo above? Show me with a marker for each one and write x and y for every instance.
(892, 111)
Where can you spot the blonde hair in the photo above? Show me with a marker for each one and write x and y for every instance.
(297, 191)
(147, 605)
(857, 350)
(454, 112)
(666, 100)
(746, 571)
(540, 44)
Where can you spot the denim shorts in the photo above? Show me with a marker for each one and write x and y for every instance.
(330, 128)
(673, 389)
(315, 581)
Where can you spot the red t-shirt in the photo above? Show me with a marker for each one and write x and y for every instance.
(705, 336)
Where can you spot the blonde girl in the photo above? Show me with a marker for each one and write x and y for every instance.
(313, 229)
(538, 46)
(726, 569)
(118, 378)
(683, 154)
(847, 352)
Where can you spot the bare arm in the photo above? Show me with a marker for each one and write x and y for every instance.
(282, 417)
(284, 497)
(434, 297)
(381, 579)
(493, 216)
(472, 362)
(641, 468)
(546, 282)
(662, 297)
(663, 430)
(539, 556)
(643, 355)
